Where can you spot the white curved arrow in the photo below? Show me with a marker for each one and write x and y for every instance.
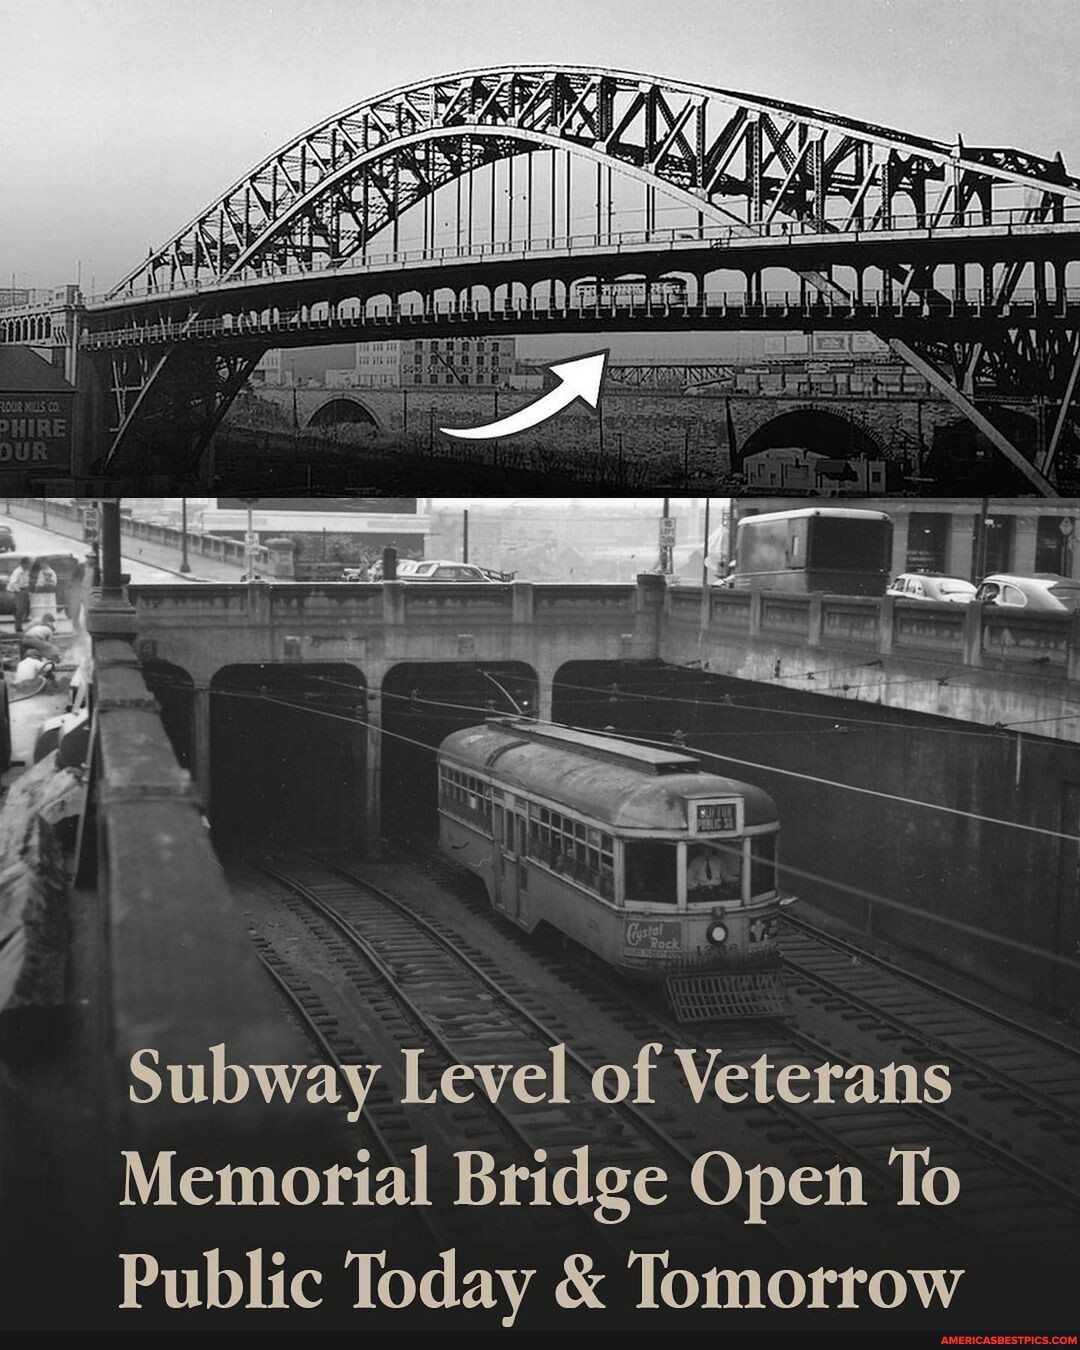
(579, 378)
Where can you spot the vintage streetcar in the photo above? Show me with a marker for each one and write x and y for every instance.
(629, 294)
(661, 870)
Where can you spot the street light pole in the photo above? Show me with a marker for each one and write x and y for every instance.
(185, 566)
(667, 540)
(249, 544)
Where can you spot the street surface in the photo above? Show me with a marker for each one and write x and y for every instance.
(31, 540)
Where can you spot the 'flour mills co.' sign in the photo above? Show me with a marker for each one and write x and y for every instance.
(35, 431)
(37, 414)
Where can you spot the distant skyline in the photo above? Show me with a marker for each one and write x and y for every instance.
(124, 118)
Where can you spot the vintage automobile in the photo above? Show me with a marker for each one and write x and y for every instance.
(1045, 591)
(932, 586)
(428, 569)
(816, 548)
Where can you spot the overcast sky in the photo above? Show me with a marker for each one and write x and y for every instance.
(123, 118)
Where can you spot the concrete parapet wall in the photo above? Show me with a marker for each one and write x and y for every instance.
(963, 662)
(958, 661)
(375, 626)
(67, 518)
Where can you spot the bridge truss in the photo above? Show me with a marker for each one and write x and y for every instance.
(455, 204)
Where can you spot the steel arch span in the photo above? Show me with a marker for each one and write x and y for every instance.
(530, 159)
(736, 158)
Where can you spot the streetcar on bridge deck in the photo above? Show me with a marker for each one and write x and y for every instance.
(662, 870)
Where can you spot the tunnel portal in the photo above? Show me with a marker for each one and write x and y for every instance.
(421, 705)
(287, 755)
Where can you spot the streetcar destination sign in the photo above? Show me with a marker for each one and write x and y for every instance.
(722, 815)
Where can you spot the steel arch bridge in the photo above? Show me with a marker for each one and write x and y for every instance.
(562, 199)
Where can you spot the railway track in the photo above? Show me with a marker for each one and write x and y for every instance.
(1029, 1035)
(995, 1064)
(428, 992)
(999, 1155)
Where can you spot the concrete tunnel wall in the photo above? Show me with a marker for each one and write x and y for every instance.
(1000, 882)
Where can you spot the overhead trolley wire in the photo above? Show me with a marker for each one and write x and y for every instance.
(671, 745)
(726, 701)
(857, 892)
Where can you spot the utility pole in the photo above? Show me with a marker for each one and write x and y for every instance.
(465, 536)
(185, 566)
(979, 552)
(250, 541)
(667, 540)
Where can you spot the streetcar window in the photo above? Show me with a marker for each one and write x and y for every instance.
(573, 849)
(651, 876)
(762, 864)
(464, 795)
(713, 872)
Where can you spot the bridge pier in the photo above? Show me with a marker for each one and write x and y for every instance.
(200, 736)
(372, 772)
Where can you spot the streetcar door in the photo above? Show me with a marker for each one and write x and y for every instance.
(511, 898)
(499, 816)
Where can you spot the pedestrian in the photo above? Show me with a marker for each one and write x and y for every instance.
(18, 585)
(37, 639)
(42, 587)
(79, 585)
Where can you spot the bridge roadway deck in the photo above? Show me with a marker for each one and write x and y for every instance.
(972, 664)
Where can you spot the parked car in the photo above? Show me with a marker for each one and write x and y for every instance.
(441, 570)
(7, 539)
(932, 586)
(63, 564)
(1044, 591)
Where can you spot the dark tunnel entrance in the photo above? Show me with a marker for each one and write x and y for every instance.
(174, 690)
(342, 412)
(640, 698)
(287, 747)
(818, 429)
(423, 704)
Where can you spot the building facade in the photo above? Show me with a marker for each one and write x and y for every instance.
(485, 362)
(793, 469)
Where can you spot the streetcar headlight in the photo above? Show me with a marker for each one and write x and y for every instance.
(716, 933)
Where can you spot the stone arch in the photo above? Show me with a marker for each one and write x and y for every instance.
(811, 427)
(343, 410)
